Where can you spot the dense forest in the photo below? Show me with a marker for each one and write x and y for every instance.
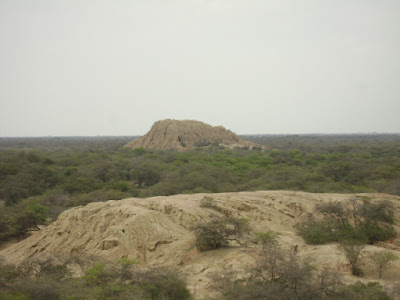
(41, 177)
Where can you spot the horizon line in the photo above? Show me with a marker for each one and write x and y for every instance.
(245, 134)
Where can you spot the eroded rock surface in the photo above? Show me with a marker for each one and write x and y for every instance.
(185, 135)
(158, 231)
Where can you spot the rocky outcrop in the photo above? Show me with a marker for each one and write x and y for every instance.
(188, 134)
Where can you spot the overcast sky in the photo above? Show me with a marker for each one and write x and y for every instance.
(101, 67)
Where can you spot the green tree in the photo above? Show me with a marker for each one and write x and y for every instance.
(146, 175)
(26, 216)
(382, 261)
(219, 232)
(336, 170)
(102, 277)
(164, 284)
(99, 275)
(352, 250)
(364, 222)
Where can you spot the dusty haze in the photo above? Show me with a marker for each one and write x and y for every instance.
(115, 67)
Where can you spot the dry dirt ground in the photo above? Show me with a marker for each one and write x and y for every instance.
(158, 231)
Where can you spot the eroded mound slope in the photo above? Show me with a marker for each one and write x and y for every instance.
(186, 135)
(158, 231)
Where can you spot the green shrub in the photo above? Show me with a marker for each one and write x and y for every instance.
(351, 234)
(139, 151)
(365, 223)
(362, 291)
(209, 202)
(39, 288)
(352, 250)
(13, 296)
(164, 284)
(277, 275)
(8, 274)
(81, 184)
(99, 275)
(266, 237)
(219, 232)
(317, 232)
(379, 212)
(375, 231)
(382, 261)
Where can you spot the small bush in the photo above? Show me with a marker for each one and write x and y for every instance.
(379, 212)
(13, 296)
(363, 223)
(266, 237)
(352, 250)
(374, 231)
(318, 232)
(382, 260)
(361, 291)
(39, 288)
(219, 232)
(350, 233)
(164, 284)
(277, 275)
(209, 202)
(8, 273)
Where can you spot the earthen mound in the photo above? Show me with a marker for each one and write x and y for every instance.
(188, 134)
(158, 231)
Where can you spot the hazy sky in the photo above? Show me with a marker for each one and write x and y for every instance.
(101, 67)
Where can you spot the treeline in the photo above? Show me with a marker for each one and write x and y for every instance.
(43, 177)
(75, 143)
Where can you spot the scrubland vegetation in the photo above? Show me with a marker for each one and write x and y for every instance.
(278, 275)
(39, 280)
(275, 275)
(352, 225)
(40, 178)
(365, 223)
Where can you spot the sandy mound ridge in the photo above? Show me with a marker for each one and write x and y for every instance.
(157, 231)
(185, 135)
